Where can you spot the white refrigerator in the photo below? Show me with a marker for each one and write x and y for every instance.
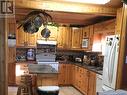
(110, 63)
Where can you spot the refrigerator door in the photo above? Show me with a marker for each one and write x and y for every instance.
(110, 62)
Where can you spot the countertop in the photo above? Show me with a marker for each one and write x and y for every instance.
(95, 69)
(38, 69)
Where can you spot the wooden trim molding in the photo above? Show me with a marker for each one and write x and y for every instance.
(66, 7)
(3, 58)
(122, 47)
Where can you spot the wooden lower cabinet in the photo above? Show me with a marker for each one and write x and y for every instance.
(64, 77)
(92, 83)
(85, 81)
(81, 78)
(47, 79)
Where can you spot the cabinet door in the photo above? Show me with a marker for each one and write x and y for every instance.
(67, 37)
(92, 84)
(62, 74)
(68, 74)
(86, 32)
(85, 78)
(65, 74)
(53, 34)
(31, 39)
(61, 37)
(91, 37)
(21, 37)
(64, 37)
(76, 38)
(77, 74)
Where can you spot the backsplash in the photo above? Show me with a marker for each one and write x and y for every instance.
(86, 58)
(80, 56)
(21, 54)
(69, 54)
(93, 59)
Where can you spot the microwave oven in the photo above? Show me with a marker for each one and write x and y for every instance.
(85, 42)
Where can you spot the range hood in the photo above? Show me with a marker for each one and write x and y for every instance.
(44, 42)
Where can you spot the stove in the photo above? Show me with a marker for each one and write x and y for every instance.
(46, 55)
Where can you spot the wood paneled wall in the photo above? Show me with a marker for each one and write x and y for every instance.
(3, 57)
(122, 31)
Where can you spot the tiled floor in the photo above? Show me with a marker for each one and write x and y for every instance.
(63, 91)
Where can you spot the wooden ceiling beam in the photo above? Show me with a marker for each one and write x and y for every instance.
(66, 7)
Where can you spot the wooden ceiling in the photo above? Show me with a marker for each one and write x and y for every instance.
(112, 3)
(65, 16)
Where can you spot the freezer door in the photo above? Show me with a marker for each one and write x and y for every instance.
(110, 63)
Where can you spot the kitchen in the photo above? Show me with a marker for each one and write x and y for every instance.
(68, 45)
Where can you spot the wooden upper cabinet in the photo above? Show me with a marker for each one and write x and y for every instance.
(76, 38)
(25, 39)
(91, 34)
(86, 32)
(53, 34)
(67, 37)
(64, 37)
(106, 27)
(20, 37)
(60, 37)
(31, 39)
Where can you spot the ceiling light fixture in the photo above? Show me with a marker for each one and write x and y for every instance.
(90, 1)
